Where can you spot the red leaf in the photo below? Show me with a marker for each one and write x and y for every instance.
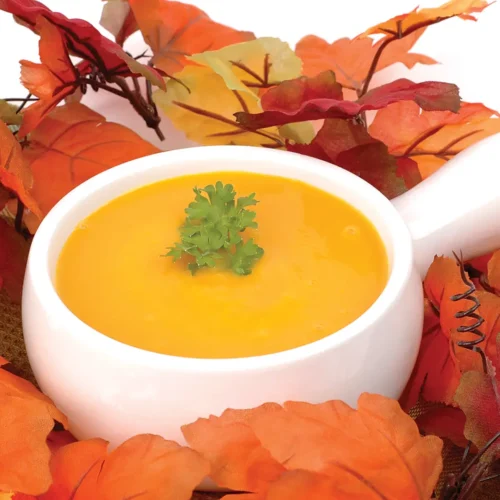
(320, 97)
(446, 422)
(478, 397)
(13, 257)
(117, 17)
(83, 40)
(348, 145)
(52, 81)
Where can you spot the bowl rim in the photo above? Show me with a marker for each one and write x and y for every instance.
(39, 274)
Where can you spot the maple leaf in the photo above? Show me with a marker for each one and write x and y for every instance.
(52, 81)
(347, 144)
(478, 397)
(393, 461)
(235, 74)
(82, 40)
(175, 30)
(145, 465)
(15, 175)
(351, 59)
(29, 417)
(408, 23)
(117, 17)
(72, 144)
(431, 138)
(13, 257)
(321, 99)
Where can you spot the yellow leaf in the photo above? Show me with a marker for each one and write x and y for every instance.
(301, 133)
(6, 496)
(257, 64)
(236, 75)
(9, 116)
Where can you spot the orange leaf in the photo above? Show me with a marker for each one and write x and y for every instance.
(52, 80)
(436, 374)
(17, 387)
(24, 454)
(14, 173)
(432, 137)
(494, 270)
(246, 466)
(13, 257)
(147, 466)
(175, 30)
(351, 59)
(401, 25)
(71, 145)
(374, 449)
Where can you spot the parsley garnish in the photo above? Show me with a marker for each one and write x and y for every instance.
(212, 230)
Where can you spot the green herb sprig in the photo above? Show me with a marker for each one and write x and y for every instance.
(212, 231)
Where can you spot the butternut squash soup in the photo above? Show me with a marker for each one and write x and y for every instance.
(321, 266)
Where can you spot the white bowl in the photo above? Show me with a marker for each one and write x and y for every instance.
(114, 391)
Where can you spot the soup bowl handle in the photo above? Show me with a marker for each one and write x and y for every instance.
(457, 209)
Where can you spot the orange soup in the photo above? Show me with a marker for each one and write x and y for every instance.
(324, 265)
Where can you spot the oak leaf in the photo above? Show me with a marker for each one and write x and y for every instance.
(175, 30)
(351, 59)
(493, 270)
(347, 144)
(72, 144)
(431, 138)
(146, 465)
(13, 257)
(15, 174)
(369, 452)
(117, 17)
(318, 98)
(235, 74)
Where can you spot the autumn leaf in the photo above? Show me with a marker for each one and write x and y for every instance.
(494, 270)
(72, 144)
(370, 452)
(402, 25)
(322, 100)
(175, 30)
(29, 417)
(8, 113)
(431, 138)
(117, 17)
(351, 59)
(445, 422)
(347, 144)
(13, 257)
(83, 40)
(478, 397)
(235, 75)
(52, 80)
(146, 465)
(14, 173)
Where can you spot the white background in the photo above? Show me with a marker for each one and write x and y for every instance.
(469, 52)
